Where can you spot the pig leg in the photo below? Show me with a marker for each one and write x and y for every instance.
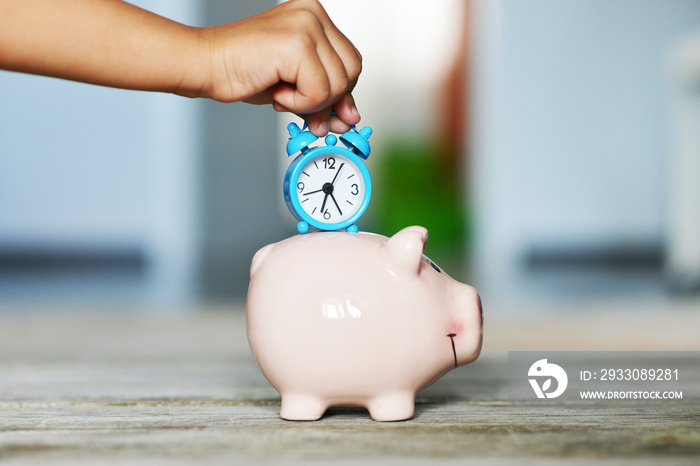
(397, 406)
(302, 407)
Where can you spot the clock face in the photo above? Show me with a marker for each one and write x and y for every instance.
(330, 188)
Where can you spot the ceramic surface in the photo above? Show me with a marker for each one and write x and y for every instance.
(357, 319)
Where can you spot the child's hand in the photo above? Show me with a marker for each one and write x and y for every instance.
(291, 56)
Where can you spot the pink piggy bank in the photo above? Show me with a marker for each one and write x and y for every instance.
(357, 319)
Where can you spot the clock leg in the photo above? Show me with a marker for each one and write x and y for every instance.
(302, 227)
(352, 228)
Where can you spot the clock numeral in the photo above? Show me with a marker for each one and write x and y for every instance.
(356, 190)
(327, 215)
(300, 186)
(329, 163)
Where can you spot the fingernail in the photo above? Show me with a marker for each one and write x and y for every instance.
(354, 111)
(323, 128)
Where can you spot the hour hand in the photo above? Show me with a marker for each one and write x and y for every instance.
(323, 206)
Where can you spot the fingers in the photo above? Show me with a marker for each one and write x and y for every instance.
(324, 76)
(346, 111)
(321, 122)
(350, 56)
(341, 102)
(346, 115)
(305, 85)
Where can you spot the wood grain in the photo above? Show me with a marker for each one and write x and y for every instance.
(129, 387)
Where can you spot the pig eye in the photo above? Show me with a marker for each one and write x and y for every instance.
(432, 264)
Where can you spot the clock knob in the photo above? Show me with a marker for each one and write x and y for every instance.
(358, 141)
(331, 139)
(298, 140)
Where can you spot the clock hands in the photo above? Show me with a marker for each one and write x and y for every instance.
(325, 198)
(313, 192)
(337, 173)
(327, 189)
(336, 203)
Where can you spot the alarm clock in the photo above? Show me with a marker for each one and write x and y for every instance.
(328, 187)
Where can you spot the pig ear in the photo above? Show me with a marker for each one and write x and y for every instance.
(258, 258)
(405, 249)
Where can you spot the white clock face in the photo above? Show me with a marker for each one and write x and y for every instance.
(330, 188)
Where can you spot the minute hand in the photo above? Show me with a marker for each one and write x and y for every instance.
(337, 173)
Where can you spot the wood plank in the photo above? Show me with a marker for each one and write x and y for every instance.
(138, 387)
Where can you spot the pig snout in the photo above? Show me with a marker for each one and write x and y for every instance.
(466, 335)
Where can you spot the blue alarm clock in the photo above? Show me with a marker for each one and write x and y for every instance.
(328, 187)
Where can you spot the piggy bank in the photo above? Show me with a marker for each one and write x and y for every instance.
(357, 319)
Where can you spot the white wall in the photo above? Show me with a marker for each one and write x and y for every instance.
(568, 124)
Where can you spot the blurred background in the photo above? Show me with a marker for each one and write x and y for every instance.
(551, 147)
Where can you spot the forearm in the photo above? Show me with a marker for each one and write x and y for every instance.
(106, 42)
(291, 56)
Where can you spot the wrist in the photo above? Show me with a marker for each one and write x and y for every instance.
(215, 74)
(196, 75)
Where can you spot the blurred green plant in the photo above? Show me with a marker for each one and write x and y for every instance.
(420, 182)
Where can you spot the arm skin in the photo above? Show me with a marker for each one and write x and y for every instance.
(291, 56)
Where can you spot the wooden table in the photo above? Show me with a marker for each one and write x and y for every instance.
(142, 387)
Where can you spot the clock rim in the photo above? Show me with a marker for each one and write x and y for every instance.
(292, 176)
